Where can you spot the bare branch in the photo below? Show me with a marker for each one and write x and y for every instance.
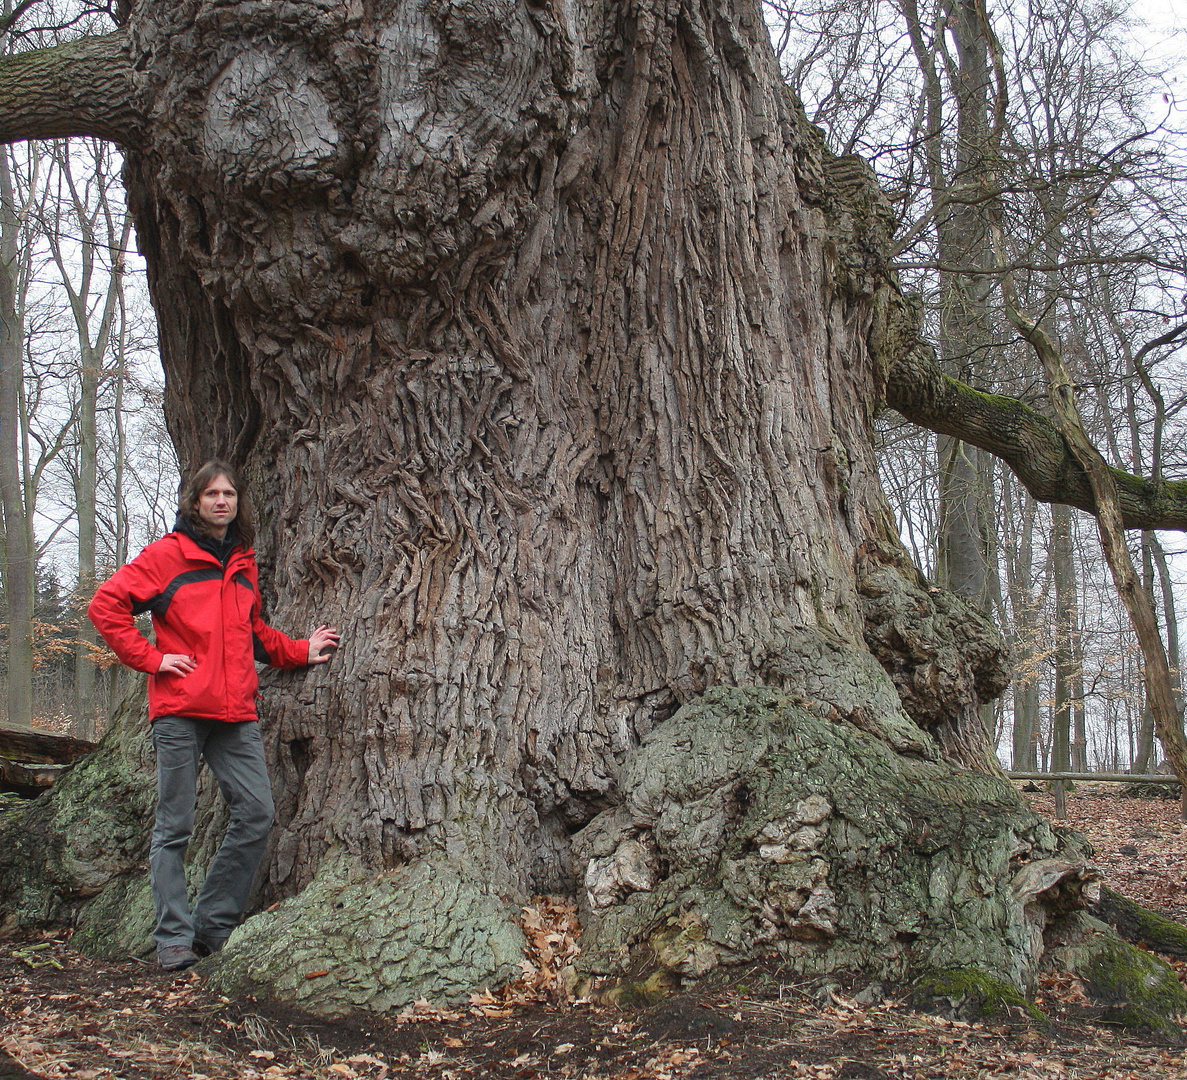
(10, 20)
(1160, 697)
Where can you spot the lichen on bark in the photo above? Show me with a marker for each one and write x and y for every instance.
(752, 822)
(356, 941)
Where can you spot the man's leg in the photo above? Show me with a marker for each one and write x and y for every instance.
(235, 754)
(178, 744)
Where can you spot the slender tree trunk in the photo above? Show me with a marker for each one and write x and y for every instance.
(1026, 725)
(1079, 747)
(963, 560)
(86, 509)
(1170, 619)
(116, 683)
(119, 449)
(1063, 574)
(1069, 680)
(1143, 757)
(1142, 762)
(964, 311)
(1024, 605)
(19, 559)
(1154, 559)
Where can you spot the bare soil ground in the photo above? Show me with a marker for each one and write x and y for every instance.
(64, 1015)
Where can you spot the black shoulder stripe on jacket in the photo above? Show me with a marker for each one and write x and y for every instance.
(159, 604)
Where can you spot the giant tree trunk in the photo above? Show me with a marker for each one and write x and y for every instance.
(552, 379)
(550, 341)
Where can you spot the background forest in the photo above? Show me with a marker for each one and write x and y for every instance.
(1049, 144)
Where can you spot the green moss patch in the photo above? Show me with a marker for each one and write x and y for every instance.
(1140, 925)
(972, 994)
(1132, 988)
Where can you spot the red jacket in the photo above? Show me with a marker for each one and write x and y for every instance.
(199, 609)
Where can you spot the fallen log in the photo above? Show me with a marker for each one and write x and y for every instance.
(27, 781)
(33, 747)
(31, 760)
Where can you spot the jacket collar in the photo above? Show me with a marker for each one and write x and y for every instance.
(192, 549)
(222, 550)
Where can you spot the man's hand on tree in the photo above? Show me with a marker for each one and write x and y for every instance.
(323, 638)
(176, 664)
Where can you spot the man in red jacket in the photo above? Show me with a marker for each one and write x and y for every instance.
(200, 583)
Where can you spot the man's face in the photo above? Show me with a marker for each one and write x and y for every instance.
(218, 504)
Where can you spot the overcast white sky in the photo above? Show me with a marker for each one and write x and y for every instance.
(1166, 27)
(1161, 12)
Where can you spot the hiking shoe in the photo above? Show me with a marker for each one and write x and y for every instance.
(176, 957)
(204, 947)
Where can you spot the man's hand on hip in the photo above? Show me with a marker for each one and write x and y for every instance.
(176, 664)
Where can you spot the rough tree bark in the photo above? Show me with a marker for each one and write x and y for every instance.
(550, 337)
(529, 383)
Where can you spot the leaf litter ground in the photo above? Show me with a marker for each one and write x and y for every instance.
(65, 1015)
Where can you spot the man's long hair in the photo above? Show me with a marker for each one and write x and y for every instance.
(187, 503)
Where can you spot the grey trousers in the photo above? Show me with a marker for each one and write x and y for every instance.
(235, 754)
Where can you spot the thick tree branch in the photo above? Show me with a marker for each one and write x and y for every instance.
(82, 87)
(1027, 441)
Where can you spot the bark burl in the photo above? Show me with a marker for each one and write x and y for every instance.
(549, 338)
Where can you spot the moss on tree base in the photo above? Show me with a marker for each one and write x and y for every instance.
(1141, 925)
(972, 994)
(1130, 987)
(89, 832)
(354, 941)
(753, 823)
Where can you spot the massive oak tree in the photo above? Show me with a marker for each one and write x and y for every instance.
(550, 337)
